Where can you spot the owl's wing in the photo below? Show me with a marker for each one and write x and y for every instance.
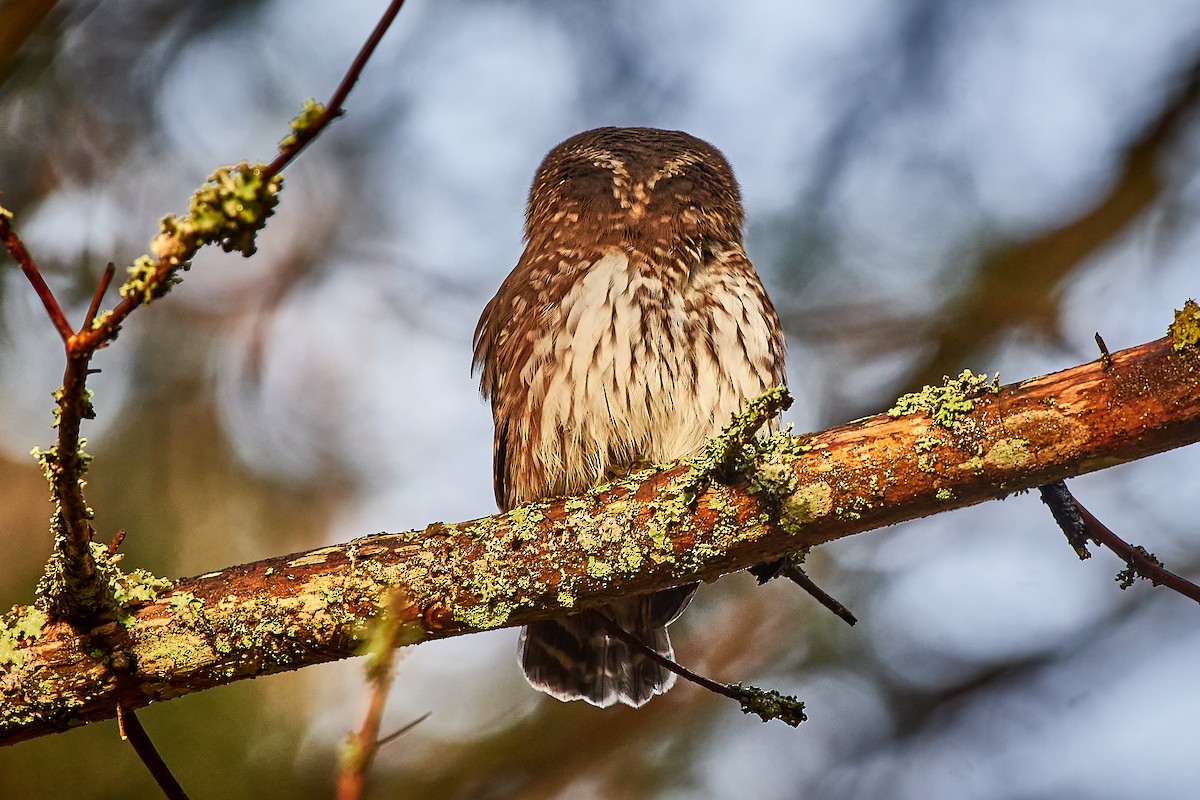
(526, 307)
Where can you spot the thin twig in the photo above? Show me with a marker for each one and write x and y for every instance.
(799, 577)
(131, 729)
(766, 704)
(98, 297)
(17, 248)
(1105, 356)
(70, 585)
(1140, 562)
(359, 751)
(789, 567)
(637, 644)
(396, 734)
(333, 109)
(1079, 524)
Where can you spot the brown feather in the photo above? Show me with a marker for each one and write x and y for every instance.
(632, 329)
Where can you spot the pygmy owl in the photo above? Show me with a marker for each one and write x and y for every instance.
(632, 329)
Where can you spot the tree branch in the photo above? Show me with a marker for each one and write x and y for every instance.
(323, 115)
(630, 536)
(16, 249)
(229, 210)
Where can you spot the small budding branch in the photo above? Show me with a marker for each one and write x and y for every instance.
(228, 210)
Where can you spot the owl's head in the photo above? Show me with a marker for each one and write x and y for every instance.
(636, 186)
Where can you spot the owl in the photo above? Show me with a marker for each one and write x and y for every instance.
(632, 329)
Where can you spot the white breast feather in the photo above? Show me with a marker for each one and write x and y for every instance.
(614, 385)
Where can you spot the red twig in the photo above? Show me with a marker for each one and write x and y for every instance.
(98, 297)
(364, 743)
(17, 248)
(1138, 560)
(70, 586)
(132, 730)
(333, 109)
(1079, 525)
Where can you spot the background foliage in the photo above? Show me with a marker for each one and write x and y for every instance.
(930, 185)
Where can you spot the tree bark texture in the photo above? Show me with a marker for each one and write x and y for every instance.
(667, 526)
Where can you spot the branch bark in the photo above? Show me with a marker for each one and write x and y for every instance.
(633, 535)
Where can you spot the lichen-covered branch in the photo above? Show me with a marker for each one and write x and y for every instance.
(229, 210)
(547, 559)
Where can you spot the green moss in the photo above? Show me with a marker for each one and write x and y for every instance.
(925, 444)
(174, 652)
(20, 624)
(806, 504)
(947, 403)
(773, 478)
(725, 455)
(524, 521)
(1185, 329)
(187, 607)
(666, 512)
(308, 115)
(630, 559)
(769, 705)
(228, 210)
(598, 569)
(944, 494)
(1005, 454)
(483, 616)
(1009, 453)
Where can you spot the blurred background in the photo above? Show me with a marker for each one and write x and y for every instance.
(930, 185)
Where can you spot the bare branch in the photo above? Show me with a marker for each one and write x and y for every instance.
(132, 730)
(333, 109)
(16, 248)
(98, 296)
(768, 705)
(359, 751)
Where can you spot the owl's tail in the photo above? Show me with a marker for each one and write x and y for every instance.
(575, 658)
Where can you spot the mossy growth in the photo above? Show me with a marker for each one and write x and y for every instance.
(770, 704)
(121, 591)
(1130, 575)
(725, 455)
(187, 607)
(948, 403)
(309, 114)
(21, 624)
(65, 590)
(229, 209)
(1185, 329)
